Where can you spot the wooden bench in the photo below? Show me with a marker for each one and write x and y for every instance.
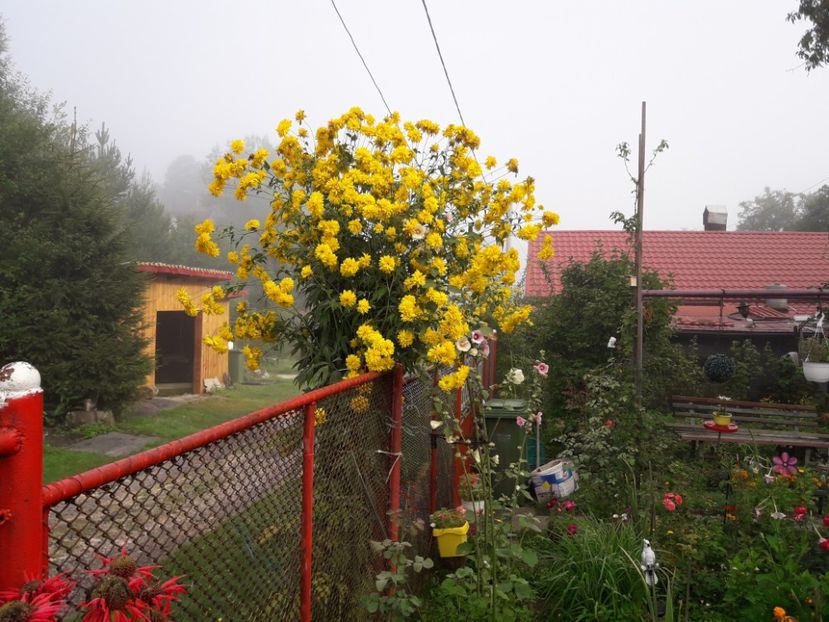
(761, 423)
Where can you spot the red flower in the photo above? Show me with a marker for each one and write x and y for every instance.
(609, 423)
(552, 503)
(671, 501)
(569, 505)
(800, 510)
(824, 544)
(730, 508)
(40, 608)
(572, 529)
(669, 504)
(826, 521)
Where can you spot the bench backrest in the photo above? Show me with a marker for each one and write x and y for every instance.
(759, 414)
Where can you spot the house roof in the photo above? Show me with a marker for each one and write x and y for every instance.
(696, 259)
(201, 274)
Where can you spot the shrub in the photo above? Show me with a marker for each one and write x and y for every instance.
(719, 368)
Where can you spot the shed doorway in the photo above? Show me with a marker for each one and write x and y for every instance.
(175, 338)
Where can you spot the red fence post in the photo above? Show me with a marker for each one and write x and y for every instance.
(21, 475)
(307, 511)
(395, 449)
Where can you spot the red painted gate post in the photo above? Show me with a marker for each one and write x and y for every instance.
(307, 511)
(21, 475)
(395, 451)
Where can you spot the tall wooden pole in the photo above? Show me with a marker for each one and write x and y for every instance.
(640, 205)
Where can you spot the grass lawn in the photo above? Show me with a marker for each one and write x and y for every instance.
(172, 423)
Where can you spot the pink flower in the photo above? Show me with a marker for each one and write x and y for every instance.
(552, 503)
(671, 501)
(799, 513)
(477, 337)
(609, 423)
(542, 368)
(520, 421)
(538, 417)
(669, 504)
(784, 464)
(485, 348)
(569, 505)
(572, 529)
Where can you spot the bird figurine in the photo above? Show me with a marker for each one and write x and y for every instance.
(649, 564)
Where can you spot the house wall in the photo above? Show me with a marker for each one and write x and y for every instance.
(160, 295)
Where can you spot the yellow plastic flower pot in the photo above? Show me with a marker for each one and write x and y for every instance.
(450, 538)
(722, 419)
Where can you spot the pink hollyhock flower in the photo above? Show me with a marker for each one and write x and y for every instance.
(572, 529)
(569, 505)
(520, 421)
(477, 337)
(784, 464)
(542, 368)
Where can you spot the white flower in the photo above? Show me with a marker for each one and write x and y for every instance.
(476, 455)
(463, 344)
(419, 231)
(435, 424)
(473, 352)
(495, 459)
(777, 515)
(477, 337)
(724, 397)
(515, 376)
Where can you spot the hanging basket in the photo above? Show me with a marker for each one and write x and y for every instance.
(814, 349)
(719, 368)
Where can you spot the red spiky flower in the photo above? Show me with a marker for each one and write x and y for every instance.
(39, 608)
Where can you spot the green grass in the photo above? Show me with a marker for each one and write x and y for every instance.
(59, 463)
(204, 413)
(172, 424)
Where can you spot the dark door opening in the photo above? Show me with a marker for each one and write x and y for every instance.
(175, 334)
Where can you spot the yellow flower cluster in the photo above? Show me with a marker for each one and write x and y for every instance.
(389, 230)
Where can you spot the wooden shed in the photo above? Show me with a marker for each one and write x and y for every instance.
(182, 362)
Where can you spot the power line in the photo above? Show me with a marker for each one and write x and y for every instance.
(813, 185)
(356, 49)
(443, 64)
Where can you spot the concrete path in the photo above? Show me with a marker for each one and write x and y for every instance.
(113, 444)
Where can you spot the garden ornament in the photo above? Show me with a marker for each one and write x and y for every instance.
(649, 564)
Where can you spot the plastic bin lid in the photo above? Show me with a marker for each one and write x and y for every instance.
(505, 407)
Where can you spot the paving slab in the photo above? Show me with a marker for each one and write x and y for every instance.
(113, 444)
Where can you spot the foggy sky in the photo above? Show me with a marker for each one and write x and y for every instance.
(555, 84)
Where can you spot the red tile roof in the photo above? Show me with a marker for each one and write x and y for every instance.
(203, 274)
(697, 259)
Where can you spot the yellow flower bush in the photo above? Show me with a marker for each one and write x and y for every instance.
(389, 233)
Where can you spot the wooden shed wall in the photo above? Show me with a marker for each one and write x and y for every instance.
(160, 295)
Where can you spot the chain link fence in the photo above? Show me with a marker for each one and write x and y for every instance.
(228, 515)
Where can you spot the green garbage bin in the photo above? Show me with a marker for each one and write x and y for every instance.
(500, 415)
(236, 365)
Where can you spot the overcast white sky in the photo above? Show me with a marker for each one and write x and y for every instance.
(555, 84)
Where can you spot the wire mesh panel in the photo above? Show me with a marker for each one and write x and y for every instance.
(226, 515)
(351, 497)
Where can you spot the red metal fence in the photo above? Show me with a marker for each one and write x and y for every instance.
(268, 516)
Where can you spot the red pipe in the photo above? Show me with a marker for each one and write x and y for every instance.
(21, 481)
(67, 488)
(395, 449)
(460, 448)
(307, 511)
(433, 474)
(783, 292)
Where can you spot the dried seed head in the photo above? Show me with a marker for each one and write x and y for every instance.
(15, 611)
(115, 591)
(123, 566)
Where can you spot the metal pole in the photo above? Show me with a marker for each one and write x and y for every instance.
(395, 449)
(640, 206)
(307, 511)
(21, 475)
